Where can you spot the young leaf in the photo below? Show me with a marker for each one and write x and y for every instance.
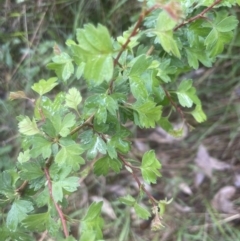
(62, 126)
(73, 98)
(168, 43)
(150, 167)
(165, 22)
(62, 65)
(147, 113)
(17, 213)
(141, 212)
(70, 155)
(44, 86)
(24, 156)
(28, 127)
(198, 114)
(162, 205)
(95, 49)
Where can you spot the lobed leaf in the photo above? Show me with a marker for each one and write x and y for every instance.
(17, 213)
(28, 127)
(44, 86)
(73, 98)
(150, 167)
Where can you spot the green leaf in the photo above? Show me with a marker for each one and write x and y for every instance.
(162, 205)
(44, 86)
(198, 114)
(67, 71)
(31, 170)
(28, 127)
(227, 24)
(70, 155)
(102, 166)
(88, 236)
(6, 185)
(139, 65)
(41, 146)
(118, 143)
(24, 156)
(62, 126)
(36, 222)
(165, 22)
(97, 144)
(62, 65)
(141, 212)
(168, 43)
(111, 104)
(73, 98)
(184, 99)
(95, 49)
(187, 94)
(93, 211)
(150, 167)
(147, 113)
(92, 221)
(17, 213)
(61, 58)
(69, 184)
(128, 200)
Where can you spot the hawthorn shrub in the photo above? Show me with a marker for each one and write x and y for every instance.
(170, 38)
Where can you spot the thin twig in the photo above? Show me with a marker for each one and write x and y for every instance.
(178, 109)
(87, 122)
(21, 189)
(134, 32)
(200, 15)
(140, 185)
(59, 210)
(43, 236)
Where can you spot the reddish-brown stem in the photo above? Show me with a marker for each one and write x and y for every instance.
(59, 210)
(143, 14)
(87, 122)
(140, 185)
(200, 15)
(21, 189)
(178, 109)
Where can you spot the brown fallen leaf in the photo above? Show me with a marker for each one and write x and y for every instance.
(206, 165)
(184, 187)
(221, 201)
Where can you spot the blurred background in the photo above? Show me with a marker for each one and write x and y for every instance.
(200, 170)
